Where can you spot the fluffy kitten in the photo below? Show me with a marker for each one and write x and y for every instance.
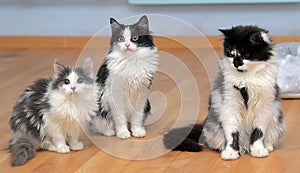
(49, 112)
(125, 79)
(245, 113)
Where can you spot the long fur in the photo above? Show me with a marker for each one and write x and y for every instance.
(177, 140)
(49, 113)
(245, 114)
(125, 79)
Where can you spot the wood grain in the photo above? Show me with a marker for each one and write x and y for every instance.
(20, 66)
(103, 41)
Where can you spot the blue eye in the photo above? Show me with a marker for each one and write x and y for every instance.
(67, 81)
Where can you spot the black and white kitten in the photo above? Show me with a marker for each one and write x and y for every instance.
(49, 113)
(125, 79)
(245, 113)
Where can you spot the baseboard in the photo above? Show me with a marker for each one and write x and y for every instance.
(103, 42)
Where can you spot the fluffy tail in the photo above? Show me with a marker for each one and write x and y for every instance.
(177, 139)
(23, 148)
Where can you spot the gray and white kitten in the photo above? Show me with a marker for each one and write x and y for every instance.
(125, 79)
(245, 113)
(49, 113)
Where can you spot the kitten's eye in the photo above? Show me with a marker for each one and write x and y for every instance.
(67, 81)
(135, 38)
(79, 80)
(121, 39)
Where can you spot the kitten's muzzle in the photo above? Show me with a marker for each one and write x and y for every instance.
(237, 61)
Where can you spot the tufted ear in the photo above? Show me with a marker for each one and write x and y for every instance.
(114, 24)
(88, 67)
(143, 22)
(259, 38)
(59, 68)
(225, 32)
(265, 37)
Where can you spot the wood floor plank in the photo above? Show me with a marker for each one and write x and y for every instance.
(19, 67)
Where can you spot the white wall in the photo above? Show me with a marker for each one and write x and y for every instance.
(86, 17)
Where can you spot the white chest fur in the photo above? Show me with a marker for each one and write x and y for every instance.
(68, 111)
(260, 81)
(130, 77)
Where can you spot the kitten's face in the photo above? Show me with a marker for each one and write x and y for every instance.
(73, 81)
(128, 38)
(246, 46)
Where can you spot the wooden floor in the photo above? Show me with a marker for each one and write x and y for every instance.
(19, 67)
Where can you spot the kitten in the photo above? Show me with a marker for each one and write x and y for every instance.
(125, 79)
(49, 113)
(245, 113)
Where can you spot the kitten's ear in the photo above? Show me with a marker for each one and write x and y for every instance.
(259, 37)
(143, 23)
(265, 37)
(114, 24)
(225, 31)
(88, 67)
(59, 68)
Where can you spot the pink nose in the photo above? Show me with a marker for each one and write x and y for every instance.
(127, 44)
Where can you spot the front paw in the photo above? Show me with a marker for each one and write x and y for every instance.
(229, 154)
(76, 146)
(109, 132)
(123, 134)
(62, 149)
(259, 151)
(270, 147)
(139, 132)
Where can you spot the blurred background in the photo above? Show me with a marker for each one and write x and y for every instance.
(86, 17)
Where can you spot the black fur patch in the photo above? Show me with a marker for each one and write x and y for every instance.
(244, 94)
(247, 40)
(188, 143)
(235, 141)
(29, 109)
(147, 109)
(277, 94)
(102, 74)
(238, 62)
(256, 135)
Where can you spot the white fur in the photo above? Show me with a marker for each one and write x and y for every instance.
(229, 108)
(69, 110)
(259, 79)
(126, 91)
(127, 37)
(265, 37)
(229, 154)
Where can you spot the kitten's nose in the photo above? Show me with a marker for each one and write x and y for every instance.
(127, 44)
(237, 62)
(73, 88)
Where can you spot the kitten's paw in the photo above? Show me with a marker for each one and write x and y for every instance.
(229, 154)
(259, 151)
(63, 149)
(51, 148)
(139, 132)
(270, 148)
(47, 145)
(76, 146)
(109, 133)
(123, 135)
